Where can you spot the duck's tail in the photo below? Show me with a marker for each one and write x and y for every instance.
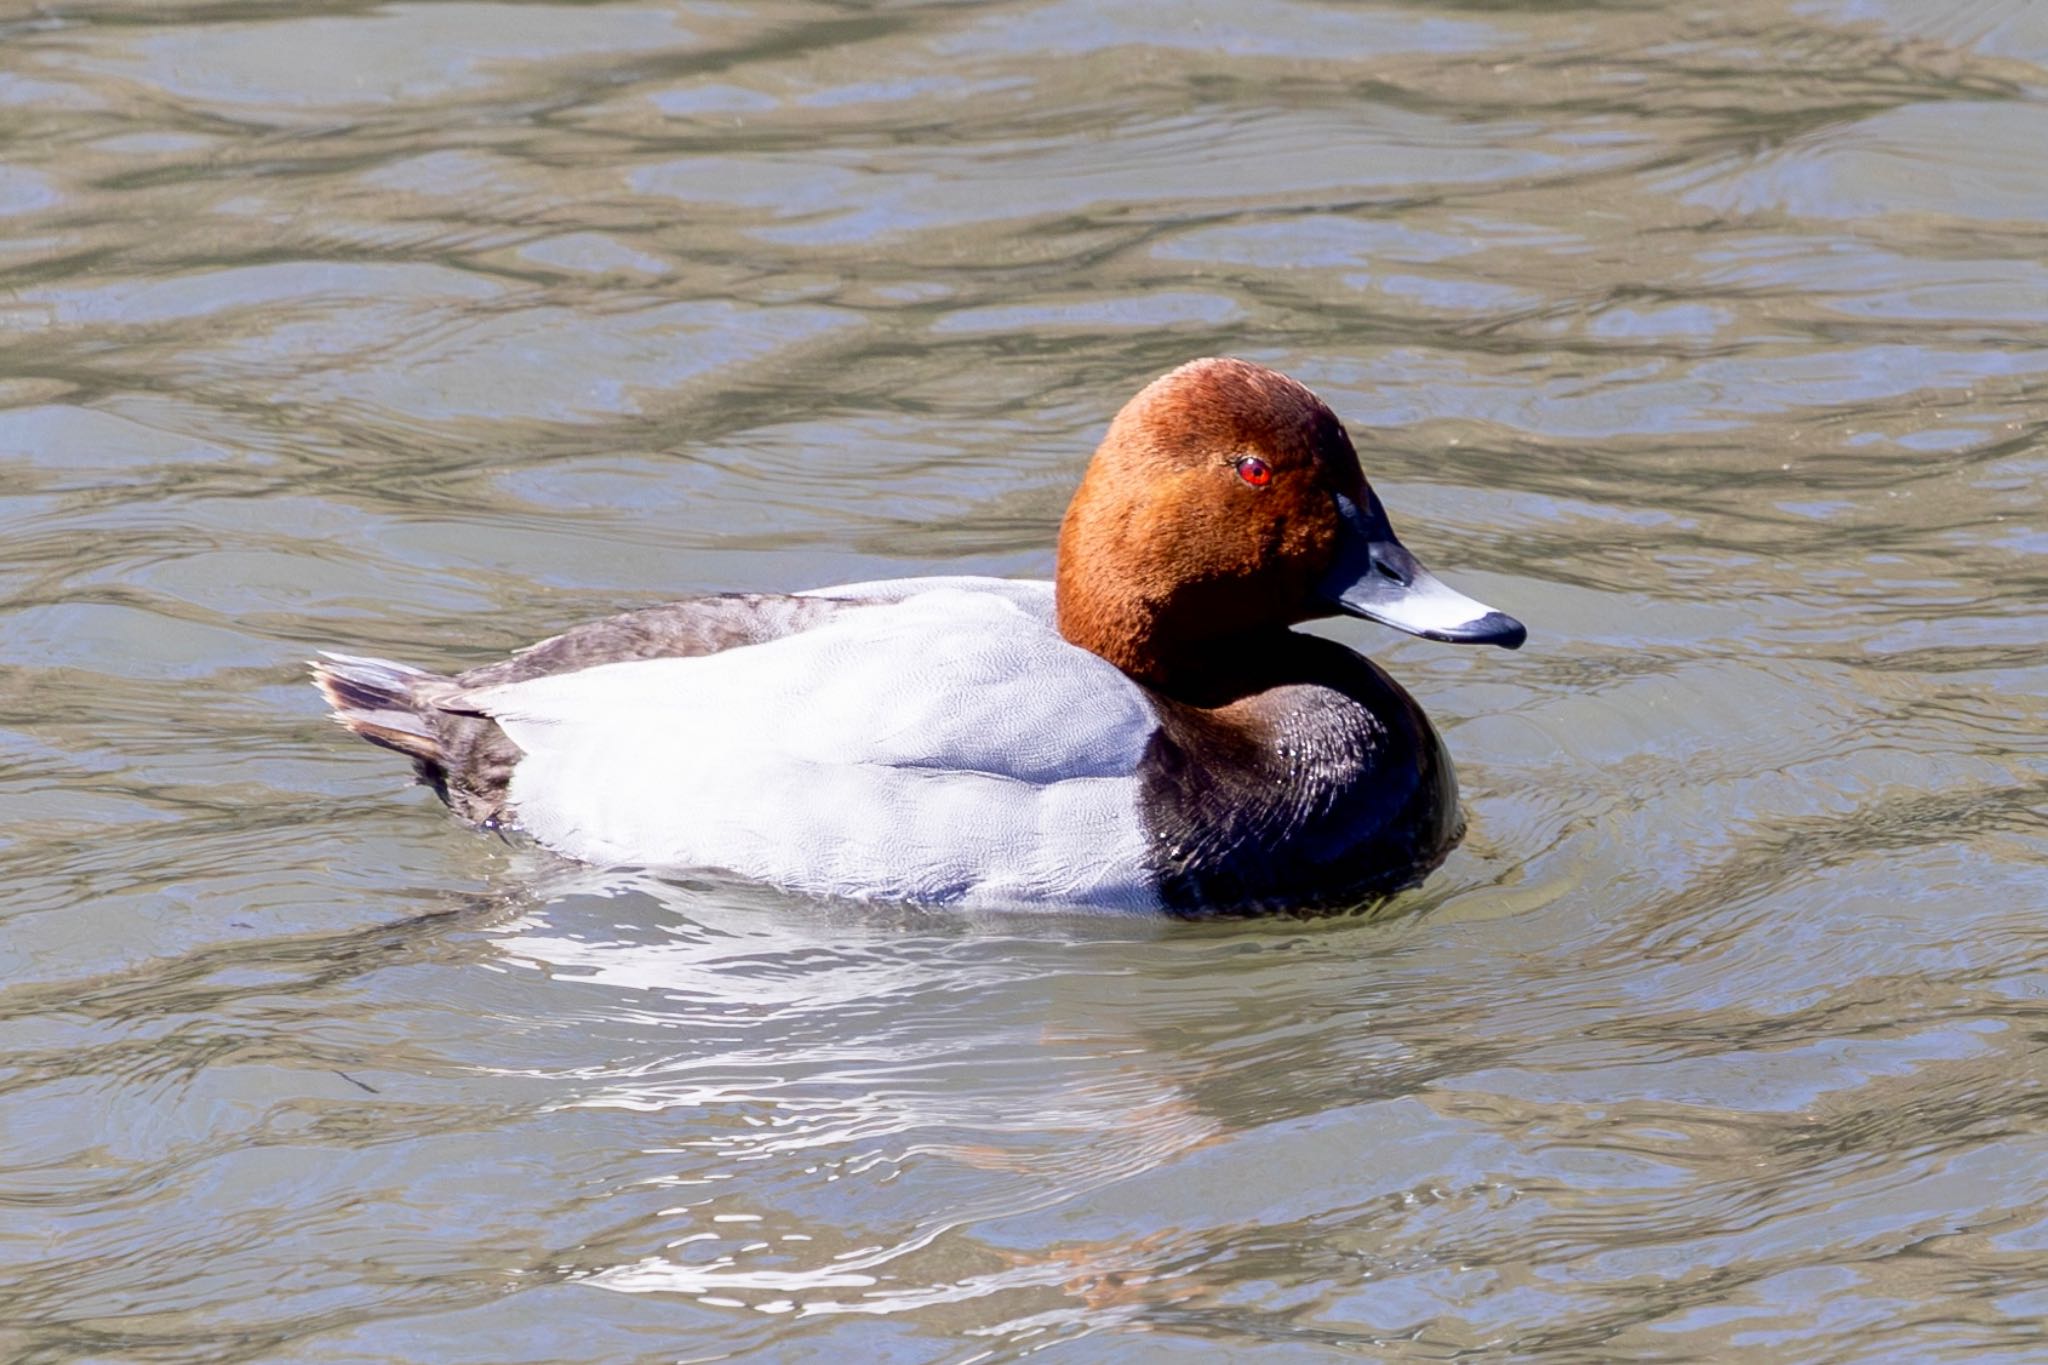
(460, 753)
(374, 698)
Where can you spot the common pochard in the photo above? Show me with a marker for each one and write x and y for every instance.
(1146, 732)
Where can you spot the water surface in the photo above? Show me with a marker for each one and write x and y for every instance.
(1710, 340)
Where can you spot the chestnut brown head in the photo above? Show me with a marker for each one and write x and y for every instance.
(1227, 499)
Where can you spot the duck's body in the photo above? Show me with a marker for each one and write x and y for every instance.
(929, 740)
(1159, 744)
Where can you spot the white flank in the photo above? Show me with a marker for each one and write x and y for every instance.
(950, 746)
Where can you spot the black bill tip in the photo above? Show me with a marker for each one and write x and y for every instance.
(1494, 628)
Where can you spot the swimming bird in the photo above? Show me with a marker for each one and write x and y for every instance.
(1144, 732)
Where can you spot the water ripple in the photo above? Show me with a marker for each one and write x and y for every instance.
(1708, 342)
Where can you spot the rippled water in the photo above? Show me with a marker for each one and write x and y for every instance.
(1710, 339)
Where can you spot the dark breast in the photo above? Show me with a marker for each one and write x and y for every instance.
(1323, 788)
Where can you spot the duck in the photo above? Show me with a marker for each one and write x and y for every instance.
(1147, 731)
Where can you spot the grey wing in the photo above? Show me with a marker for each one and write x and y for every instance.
(696, 626)
(687, 629)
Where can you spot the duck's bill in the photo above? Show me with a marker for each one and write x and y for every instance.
(1376, 577)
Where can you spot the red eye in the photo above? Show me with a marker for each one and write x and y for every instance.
(1254, 471)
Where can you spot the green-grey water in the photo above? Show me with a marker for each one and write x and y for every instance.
(1711, 340)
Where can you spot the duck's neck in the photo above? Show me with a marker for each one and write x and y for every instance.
(1154, 615)
(1176, 651)
(1127, 617)
(1122, 627)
